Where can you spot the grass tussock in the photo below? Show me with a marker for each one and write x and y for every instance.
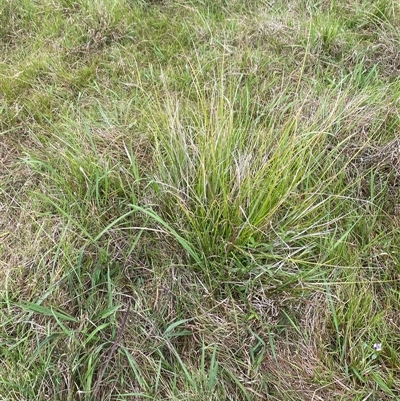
(199, 200)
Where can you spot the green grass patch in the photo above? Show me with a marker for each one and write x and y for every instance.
(199, 200)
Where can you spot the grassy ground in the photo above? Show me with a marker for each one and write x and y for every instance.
(199, 200)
